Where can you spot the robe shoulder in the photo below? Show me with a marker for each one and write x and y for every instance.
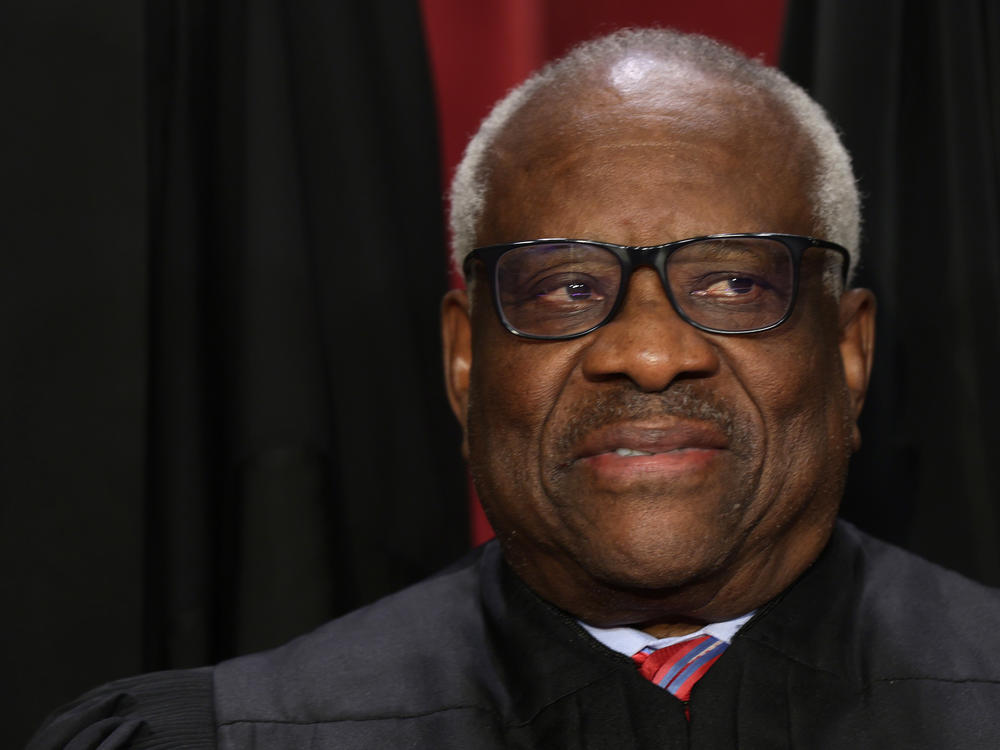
(412, 653)
(161, 709)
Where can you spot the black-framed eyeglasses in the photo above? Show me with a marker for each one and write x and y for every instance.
(720, 283)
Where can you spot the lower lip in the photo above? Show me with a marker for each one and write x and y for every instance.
(671, 464)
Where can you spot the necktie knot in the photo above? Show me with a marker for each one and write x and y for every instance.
(679, 666)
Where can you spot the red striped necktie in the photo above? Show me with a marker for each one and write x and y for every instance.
(678, 667)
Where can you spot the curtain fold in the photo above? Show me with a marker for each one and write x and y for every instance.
(915, 86)
(225, 420)
(303, 244)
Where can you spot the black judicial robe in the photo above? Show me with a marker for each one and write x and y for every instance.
(871, 648)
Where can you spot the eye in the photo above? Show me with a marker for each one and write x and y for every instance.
(557, 291)
(729, 286)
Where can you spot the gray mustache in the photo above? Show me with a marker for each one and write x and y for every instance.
(625, 403)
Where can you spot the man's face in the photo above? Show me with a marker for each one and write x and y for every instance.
(648, 472)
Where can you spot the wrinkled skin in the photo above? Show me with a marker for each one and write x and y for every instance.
(750, 435)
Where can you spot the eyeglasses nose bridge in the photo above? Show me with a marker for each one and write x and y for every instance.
(645, 337)
(654, 257)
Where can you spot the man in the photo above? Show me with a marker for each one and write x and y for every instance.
(659, 370)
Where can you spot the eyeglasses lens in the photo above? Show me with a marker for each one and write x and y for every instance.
(563, 289)
(733, 285)
(557, 289)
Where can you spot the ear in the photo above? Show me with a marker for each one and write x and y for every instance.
(857, 348)
(456, 342)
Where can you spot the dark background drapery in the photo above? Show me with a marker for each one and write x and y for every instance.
(915, 87)
(222, 419)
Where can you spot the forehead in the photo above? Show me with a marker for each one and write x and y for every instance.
(634, 158)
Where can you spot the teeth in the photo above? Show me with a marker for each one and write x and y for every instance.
(630, 452)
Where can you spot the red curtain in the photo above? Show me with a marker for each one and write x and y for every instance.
(479, 50)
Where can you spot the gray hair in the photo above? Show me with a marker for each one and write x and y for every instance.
(835, 199)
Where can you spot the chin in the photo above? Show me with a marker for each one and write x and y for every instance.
(654, 563)
(653, 575)
(656, 540)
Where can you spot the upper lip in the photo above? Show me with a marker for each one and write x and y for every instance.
(656, 437)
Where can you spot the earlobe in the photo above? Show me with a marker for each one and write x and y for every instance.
(857, 347)
(456, 341)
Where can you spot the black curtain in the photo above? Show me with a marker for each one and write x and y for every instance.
(915, 87)
(223, 418)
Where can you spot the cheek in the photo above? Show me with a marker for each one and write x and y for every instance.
(511, 398)
(511, 379)
(784, 387)
(799, 393)
(514, 388)
(796, 374)
(511, 391)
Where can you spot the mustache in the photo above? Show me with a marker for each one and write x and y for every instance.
(624, 403)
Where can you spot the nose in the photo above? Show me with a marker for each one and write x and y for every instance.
(647, 342)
